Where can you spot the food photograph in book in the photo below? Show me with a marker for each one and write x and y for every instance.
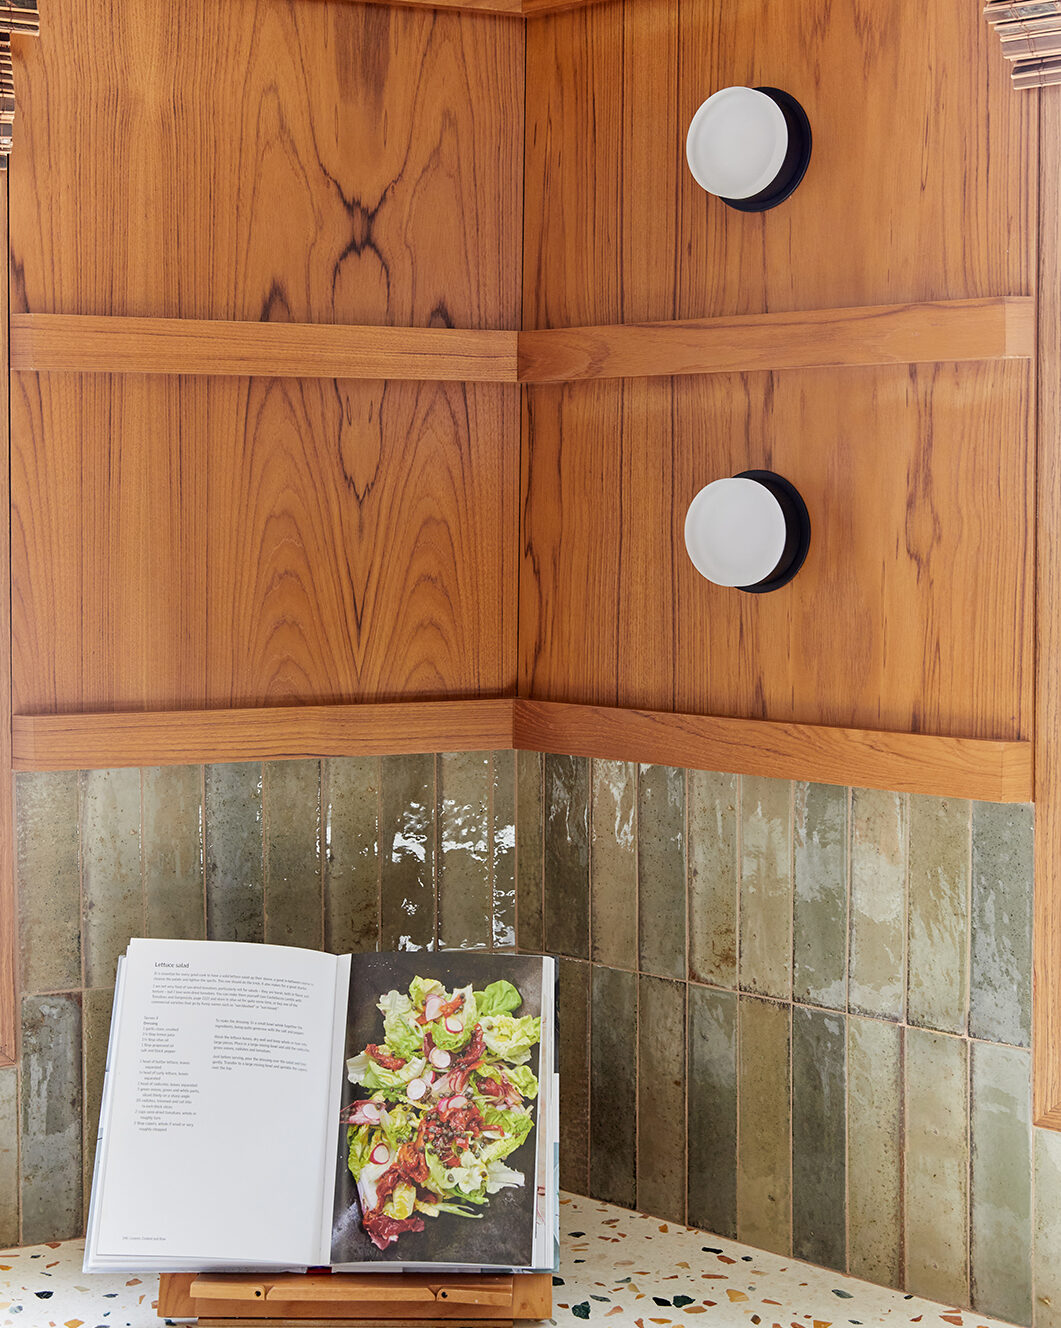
(437, 1131)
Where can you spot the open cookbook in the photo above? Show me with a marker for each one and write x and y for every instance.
(269, 1108)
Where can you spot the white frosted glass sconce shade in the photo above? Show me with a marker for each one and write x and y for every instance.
(749, 146)
(751, 532)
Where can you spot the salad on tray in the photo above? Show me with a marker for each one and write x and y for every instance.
(450, 1088)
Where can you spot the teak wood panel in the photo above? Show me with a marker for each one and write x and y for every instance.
(324, 162)
(8, 897)
(913, 612)
(919, 187)
(189, 542)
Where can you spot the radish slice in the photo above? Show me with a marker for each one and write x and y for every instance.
(443, 1103)
(416, 1089)
(432, 1006)
(459, 1101)
(453, 1024)
(380, 1154)
(370, 1111)
(440, 1059)
(428, 1077)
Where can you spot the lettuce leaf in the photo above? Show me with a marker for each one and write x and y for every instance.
(499, 998)
(421, 988)
(511, 1039)
(523, 1078)
(377, 1078)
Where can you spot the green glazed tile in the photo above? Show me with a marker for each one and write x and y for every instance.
(291, 821)
(939, 913)
(232, 820)
(819, 1137)
(465, 887)
(503, 848)
(573, 1064)
(875, 1151)
(764, 1159)
(613, 1087)
(8, 1158)
(567, 856)
(661, 1162)
(1047, 1256)
(350, 798)
(407, 852)
(766, 887)
(95, 1031)
(661, 870)
(613, 858)
(1001, 979)
(50, 1112)
(112, 897)
(877, 976)
(714, 879)
(1000, 1125)
(530, 852)
(819, 942)
(174, 901)
(712, 1088)
(49, 880)
(936, 1167)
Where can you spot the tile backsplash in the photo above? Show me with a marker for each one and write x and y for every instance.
(791, 1013)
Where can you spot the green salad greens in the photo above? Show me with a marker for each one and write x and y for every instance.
(449, 1091)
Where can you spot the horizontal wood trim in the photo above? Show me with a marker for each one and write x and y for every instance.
(905, 763)
(955, 330)
(987, 329)
(73, 343)
(190, 737)
(957, 767)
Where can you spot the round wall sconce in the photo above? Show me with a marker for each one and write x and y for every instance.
(751, 532)
(749, 146)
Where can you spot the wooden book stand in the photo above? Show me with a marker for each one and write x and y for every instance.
(323, 1298)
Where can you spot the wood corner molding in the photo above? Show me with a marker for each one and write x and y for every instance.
(16, 16)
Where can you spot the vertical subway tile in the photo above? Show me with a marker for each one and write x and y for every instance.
(875, 1151)
(8, 1158)
(877, 977)
(939, 913)
(503, 848)
(1001, 1228)
(50, 1161)
(49, 880)
(661, 1074)
(407, 852)
(112, 894)
(1001, 988)
(174, 902)
(232, 819)
(613, 1087)
(465, 902)
(937, 1151)
(764, 1172)
(766, 887)
(291, 803)
(350, 801)
(613, 858)
(530, 825)
(1047, 1272)
(712, 1097)
(819, 1137)
(713, 877)
(819, 868)
(661, 889)
(567, 855)
(573, 1064)
(95, 1032)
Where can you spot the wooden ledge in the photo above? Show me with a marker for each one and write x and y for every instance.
(956, 767)
(955, 330)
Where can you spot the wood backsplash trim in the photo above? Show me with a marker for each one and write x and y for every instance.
(916, 763)
(938, 332)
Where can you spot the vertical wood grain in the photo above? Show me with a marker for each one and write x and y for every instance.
(9, 1019)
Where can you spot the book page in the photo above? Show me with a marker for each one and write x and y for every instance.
(219, 1123)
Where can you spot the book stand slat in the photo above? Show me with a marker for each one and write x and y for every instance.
(324, 1298)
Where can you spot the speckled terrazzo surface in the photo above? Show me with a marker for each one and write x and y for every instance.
(615, 1265)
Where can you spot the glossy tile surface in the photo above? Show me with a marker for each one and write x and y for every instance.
(614, 863)
(714, 876)
(764, 1159)
(567, 855)
(50, 1118)
(661, 871)
(819, 1137)
(820, 848)
(350, 794)
(1000, 1004)
(112, 901)
(407, 853)
(235, 886)
(613, 1087)
(875, 1150)
(291, 819)
(573, 1063)
(661, 1072)
(766, 887)
(937, 984)
(877, 978)
(48, 878)
(465, 869)
(503, 849)
(530, 852)
(712, 1110)
(172, 838)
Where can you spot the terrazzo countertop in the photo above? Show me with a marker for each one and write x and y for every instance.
(634, 1271)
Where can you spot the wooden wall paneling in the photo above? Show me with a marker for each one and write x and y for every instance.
(1046, 1035)
(271, 161)
(9, 957)
(913, 612)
